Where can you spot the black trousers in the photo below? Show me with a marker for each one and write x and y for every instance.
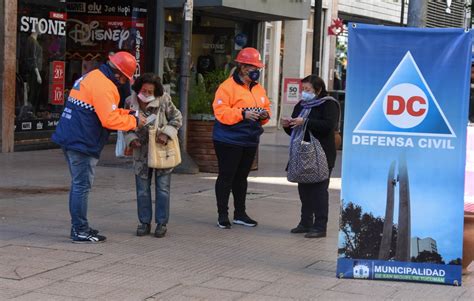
(314, 204)
(234, 166)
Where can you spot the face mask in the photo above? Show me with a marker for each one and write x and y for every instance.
(146, 99)
(254, 75)
(307, 95)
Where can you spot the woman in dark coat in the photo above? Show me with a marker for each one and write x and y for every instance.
(321, 113)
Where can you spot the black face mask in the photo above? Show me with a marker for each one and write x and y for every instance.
(254, 75)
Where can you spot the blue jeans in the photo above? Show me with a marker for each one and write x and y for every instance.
(82, 170)
(162, 192)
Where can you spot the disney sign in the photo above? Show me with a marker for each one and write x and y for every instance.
(88, 34)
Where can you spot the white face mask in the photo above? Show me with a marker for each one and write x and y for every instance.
(146, 99)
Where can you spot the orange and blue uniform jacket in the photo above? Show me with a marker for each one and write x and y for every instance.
(91, 110)
(232, 98)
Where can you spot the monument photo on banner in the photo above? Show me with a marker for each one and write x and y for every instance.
(404, 157)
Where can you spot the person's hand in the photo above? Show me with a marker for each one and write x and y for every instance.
(135, 144)
(296, 122)
(162, 138)
(264, 115)
(141, 121)
(285, 122)
(38, 79)
(252, 115)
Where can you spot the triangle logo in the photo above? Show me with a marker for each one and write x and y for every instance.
(405, 106)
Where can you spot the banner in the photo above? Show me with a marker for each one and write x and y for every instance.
(469, 182)
(404, 154)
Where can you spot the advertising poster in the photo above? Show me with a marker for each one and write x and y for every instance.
(404, 157)
(292, 90)
(94, 29)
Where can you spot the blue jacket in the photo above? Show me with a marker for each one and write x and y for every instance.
(90, 111)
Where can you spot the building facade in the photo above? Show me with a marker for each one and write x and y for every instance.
(49, 44)
(419, 245)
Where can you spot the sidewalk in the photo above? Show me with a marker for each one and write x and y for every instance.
(195, 261)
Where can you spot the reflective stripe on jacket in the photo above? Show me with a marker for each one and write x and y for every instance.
(231, 99)
(89, 112)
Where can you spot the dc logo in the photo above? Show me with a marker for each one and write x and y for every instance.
(405, 106)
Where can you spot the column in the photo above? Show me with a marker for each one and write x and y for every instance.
(8, 72)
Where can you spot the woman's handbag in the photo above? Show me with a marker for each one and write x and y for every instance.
(162, 156)
(307, 163)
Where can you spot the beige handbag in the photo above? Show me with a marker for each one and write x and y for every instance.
(162, 156)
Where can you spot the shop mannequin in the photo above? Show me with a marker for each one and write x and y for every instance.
(34, 63)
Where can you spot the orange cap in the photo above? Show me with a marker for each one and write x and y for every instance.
(125, 63)
(250, 56)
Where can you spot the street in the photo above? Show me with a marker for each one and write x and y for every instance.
(195, 260)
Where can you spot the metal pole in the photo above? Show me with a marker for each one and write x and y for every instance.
(402, 16)
(187, 165)
(185, 65)
(318, 15)
(417, 10)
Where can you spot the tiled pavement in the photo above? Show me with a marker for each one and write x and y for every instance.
(195, 261)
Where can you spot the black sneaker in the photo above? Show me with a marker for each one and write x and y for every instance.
(300, 229)
(223, 222)
(160, 230)
(87, 237)
(92, 231)
(245, 220)
(315, 234)
(143, 229)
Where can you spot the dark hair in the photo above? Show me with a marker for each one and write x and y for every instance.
(317, 83)
(148, 78)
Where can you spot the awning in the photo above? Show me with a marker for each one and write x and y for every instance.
(261, 10)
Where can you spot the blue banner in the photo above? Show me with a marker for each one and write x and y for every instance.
(404, 155)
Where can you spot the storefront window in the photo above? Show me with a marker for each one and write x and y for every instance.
(215, 44)
(60, 40)
(40, 64)
(97, 28)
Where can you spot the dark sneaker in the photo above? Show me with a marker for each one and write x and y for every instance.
(93, 231)
(245, 220)
(223, 222)
(87, 237)
(300, 229)
(315, 234)
(143, 229)
(160, 230)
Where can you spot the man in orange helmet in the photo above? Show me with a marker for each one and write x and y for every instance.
(90, 111)
(241, 107)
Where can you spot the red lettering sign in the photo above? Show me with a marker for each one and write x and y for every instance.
(396, 105)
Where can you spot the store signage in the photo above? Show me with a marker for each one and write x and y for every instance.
(102, 8)
(89, 33)
(403, 167)
(56, 82)
(43, 26)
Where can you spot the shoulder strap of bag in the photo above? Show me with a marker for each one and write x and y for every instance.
(338, 127)
(161, 114)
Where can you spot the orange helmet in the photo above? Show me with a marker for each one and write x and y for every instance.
(250, 56)
(125, 63)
